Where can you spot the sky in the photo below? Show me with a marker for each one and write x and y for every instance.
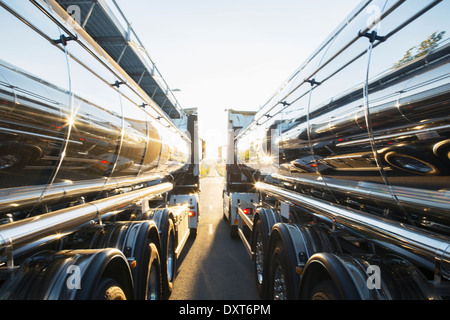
(230, 54)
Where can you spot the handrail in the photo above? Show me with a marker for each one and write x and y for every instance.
(249, 223)
(246, 219)
(21, 197)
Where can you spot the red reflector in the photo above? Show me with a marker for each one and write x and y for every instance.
(104, 162)
(191, 214)
(248, 211)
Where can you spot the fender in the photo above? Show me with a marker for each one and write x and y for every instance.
(132, 238)
(268, 219)
(327, 265)
(372, 277)
(160, 217)
(301, 242)
(304, 240)
(286, 233)
(397, 276)
(51, 275)
(109, 263)
(126, 236)
(389, 277)
(263, 221)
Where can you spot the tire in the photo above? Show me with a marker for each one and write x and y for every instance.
(168, 257)
(154, 282)
(16, 157)
(109, 289)
(442, 150)
(282, 277)
(325, 290)
(415, 162)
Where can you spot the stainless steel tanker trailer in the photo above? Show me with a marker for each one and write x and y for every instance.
(98, 186)
(340, 183)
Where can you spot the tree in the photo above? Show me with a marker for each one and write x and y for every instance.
(425, 46)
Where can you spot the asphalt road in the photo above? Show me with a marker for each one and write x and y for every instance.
(213, 266)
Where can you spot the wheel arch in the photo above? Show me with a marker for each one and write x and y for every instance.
(429, 159)
(281, 233)
(153, 234)
(327, 266)
(132, 239)
(110, 263)
(67, 275)
(268, 219)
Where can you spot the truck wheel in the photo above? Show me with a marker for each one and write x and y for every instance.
(168, 257)
(15, 157)
(442, 150)
(264, 219)
(281, 284)
(139, 241)
(102, 274)
(109, 289)
(325, 290)
(154, 287)
(415, 162)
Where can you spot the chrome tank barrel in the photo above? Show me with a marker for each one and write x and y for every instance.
(28, 233)
(365, 121)
(72, 122)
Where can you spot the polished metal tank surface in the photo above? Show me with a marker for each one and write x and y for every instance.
(365, 121)
(72, 122)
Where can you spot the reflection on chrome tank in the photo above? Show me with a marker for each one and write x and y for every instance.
(68, 126)
(365, 122)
